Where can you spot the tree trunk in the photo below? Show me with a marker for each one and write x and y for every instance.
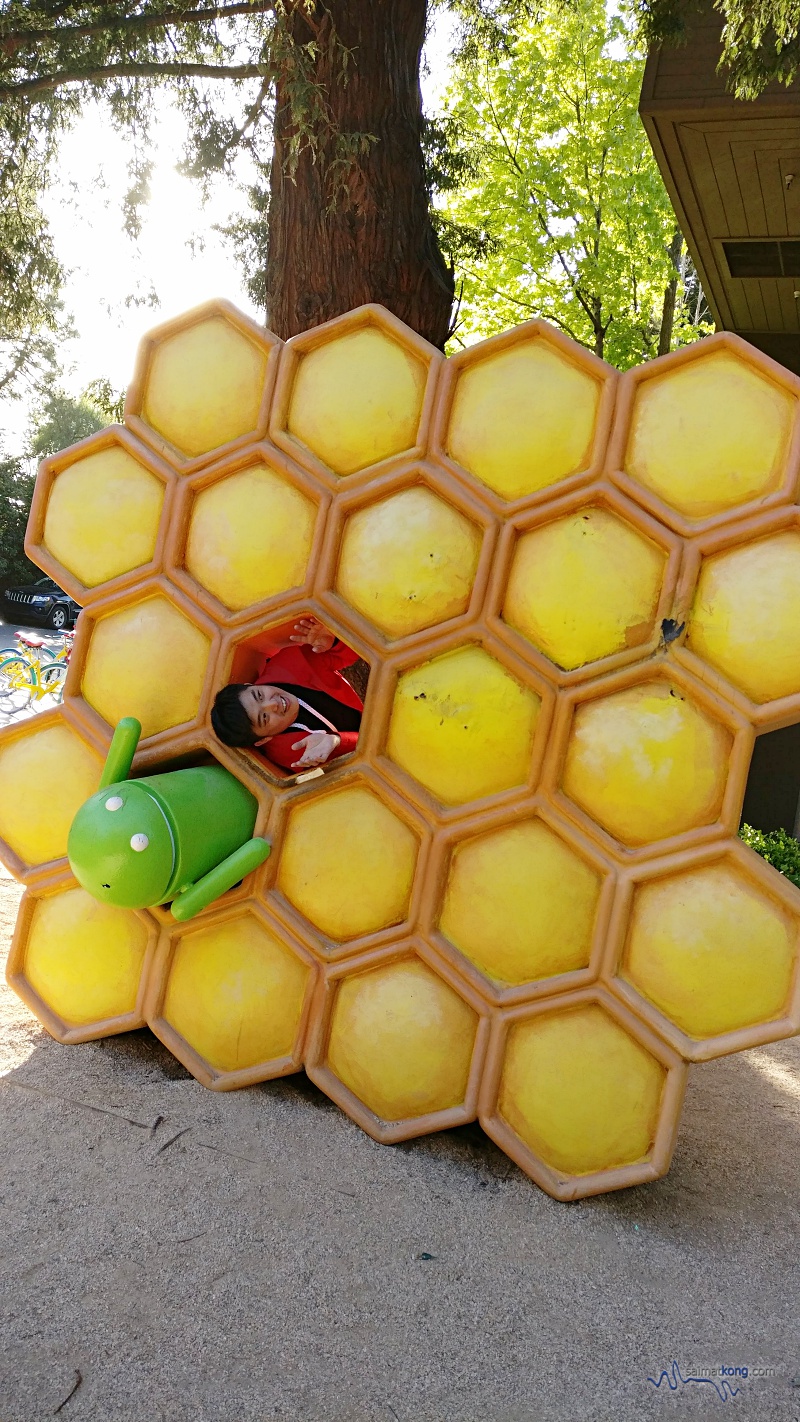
(670, 294)
(345, 229)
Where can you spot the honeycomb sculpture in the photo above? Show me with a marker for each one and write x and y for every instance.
(523, 899)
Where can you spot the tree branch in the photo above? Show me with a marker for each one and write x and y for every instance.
(17, 39)
(48, 82)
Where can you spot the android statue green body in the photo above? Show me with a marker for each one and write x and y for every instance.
(183, 837)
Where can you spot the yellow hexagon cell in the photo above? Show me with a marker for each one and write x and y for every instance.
(647, 763)
(402, 1040)
(745, 619)
(45, 776)
(147, 660)
(83, 958)
(235, 993)
(710, 951)
(408, 562)
(523, 419)
(102, 516)
(366, 888)
(579, 1091)
(250, 536)
(463, 726)
(521, 904)
(204, 386)
(710, 436)
(357, 400)
(584, 587)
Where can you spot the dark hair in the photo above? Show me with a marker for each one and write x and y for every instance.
(230, 720)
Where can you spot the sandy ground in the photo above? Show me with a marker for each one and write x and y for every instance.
(202, 1258)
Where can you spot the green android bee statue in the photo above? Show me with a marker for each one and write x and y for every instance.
(183, 837)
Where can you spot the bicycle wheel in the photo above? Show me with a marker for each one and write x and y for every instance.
(51, 679)
(17, 684)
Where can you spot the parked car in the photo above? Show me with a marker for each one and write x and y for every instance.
(43, 603)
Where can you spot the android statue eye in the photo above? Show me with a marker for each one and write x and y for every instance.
(114, 803)
(139, 842)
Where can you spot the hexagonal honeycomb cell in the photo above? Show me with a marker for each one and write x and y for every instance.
(745, 619)
(357, 399)
(463, 726)
(46, 773)
(203, 385)
(522, 418)
(83, 958)
(250, 536)
(102, 515)
(521, 903)
(647, 762)
(584, 587)
(710, 435)
(402, 1040)
(346, 895)
(235, 993)
(146, 660)
(579, 1091)
(710, 949)
(408, 561)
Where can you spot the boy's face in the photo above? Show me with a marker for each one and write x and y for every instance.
(269, 710)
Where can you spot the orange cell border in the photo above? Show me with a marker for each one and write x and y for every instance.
(292, 353)
(113, 437)
(202, 1070)
(389, 1132)
(159, 335)
(660, 668)
(576, 1187)
(620, 433)
(178, 536)
(770, 884)
(605, 375)
(15, 970)
(598, 495)
(351, 500)
(473, 827)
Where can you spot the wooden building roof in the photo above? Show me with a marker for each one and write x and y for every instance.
(732, 170)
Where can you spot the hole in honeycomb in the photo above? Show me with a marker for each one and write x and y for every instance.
(772, 795)
(294, 700)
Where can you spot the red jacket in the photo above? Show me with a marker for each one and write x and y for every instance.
(319, 671)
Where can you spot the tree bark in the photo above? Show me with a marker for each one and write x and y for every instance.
(670, 294)
(341, 233)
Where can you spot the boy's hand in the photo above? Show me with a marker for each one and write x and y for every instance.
(317, 747)
(312, 633)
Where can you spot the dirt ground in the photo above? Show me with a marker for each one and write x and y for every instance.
(189, 1257)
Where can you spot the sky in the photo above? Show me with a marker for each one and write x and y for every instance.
(105, 267)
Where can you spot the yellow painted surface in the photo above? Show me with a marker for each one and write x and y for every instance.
(710, 435)
(523, 419)
(710, 950)
(408, 562)
(102, 516)
(357, 400)
(235, 993)
(463, 726)
(647, 763)
(579, 1091)
(204, 386)
(83, 958)
(746, 616)
(584, 587)
(521, 903)
(401, 1040)
(250, 536)
(147, 660)
(45, 777)
(347, 863)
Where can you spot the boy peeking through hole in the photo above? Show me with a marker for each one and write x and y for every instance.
(300, 709)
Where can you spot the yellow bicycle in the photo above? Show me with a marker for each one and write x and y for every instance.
(31, 671)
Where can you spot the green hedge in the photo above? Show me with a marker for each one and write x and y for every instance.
(778, 848)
